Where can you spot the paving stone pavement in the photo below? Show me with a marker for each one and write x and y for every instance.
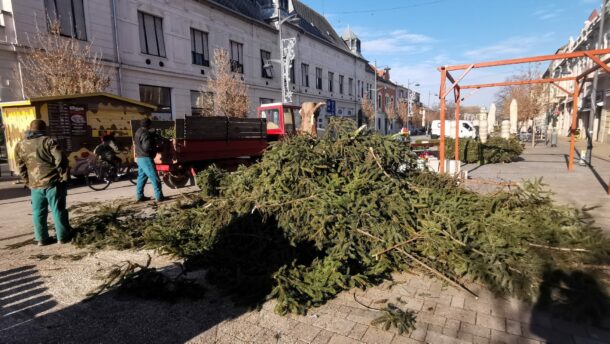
(586, 186)
(444, 315)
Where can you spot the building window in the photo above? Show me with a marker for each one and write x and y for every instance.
(341, 82)
(151, 35)
(199, 48)
(293, 76)
(379, 101)
(265, 72)
(158, 96)
(319, 78)
(351, 86)
(331, 82)
(284, 4)
(237, 57)
(70, 15)
(202, 103)
(305, 74)
(362, 89)
(264, 101)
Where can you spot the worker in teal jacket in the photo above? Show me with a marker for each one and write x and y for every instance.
(146, 149)
(44, 168)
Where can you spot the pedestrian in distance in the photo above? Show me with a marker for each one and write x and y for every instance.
(44, 169)
(146, 150)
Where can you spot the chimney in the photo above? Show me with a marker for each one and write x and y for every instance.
(386, 76)
(269, 8)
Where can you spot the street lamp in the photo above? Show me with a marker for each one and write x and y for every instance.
(430, 96)
(291, 18)
(286, 53)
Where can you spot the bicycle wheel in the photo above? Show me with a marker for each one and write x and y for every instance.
(131, 173)
(99, 179)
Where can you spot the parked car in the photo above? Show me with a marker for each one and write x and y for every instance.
(467, 129)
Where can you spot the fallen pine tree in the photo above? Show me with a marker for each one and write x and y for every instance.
(317, 217)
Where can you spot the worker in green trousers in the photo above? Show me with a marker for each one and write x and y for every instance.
(44, 168)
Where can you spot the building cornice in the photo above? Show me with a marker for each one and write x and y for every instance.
(214, 5)
(272, 28)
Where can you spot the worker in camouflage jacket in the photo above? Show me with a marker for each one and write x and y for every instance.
(44, 168)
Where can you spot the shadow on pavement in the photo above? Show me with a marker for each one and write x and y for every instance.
(599, 178)
(241, 264)
(22, 297)
(15, 191)
(74, 188)
(571, 304)
(112, 318)
(567, 160)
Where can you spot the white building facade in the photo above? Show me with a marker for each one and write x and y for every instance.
(561, 103)
(161, 51)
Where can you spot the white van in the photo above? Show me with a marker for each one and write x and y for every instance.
(467, 129)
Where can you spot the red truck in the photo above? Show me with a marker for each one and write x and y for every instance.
(198, 142)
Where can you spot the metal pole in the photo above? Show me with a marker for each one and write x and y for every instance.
(429, 109)
(458, 101)
(279, 25)
(395, 104)
(442, 118)
(533, 122)
(376, 97)
(593, 111)
(574, 120)
(409, 98)
(117, 47)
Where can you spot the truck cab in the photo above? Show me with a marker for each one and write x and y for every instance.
(282, 119)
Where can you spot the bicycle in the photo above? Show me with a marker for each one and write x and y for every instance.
(100, 174)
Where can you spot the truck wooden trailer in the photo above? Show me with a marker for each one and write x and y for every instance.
(191, 144)
(197, 142)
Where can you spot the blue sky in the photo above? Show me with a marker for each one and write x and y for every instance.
(414, 37)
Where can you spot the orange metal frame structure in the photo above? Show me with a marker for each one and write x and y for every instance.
(467, 68)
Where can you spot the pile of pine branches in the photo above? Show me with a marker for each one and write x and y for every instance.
(319, 216)
(495, 150)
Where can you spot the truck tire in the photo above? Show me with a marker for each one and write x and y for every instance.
(177, 179)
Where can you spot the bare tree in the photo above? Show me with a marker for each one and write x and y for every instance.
(230, 93)
(403, 112)
(56, 65)
(390, 111)
(367, 109)
(530, 98)
(417, 115)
